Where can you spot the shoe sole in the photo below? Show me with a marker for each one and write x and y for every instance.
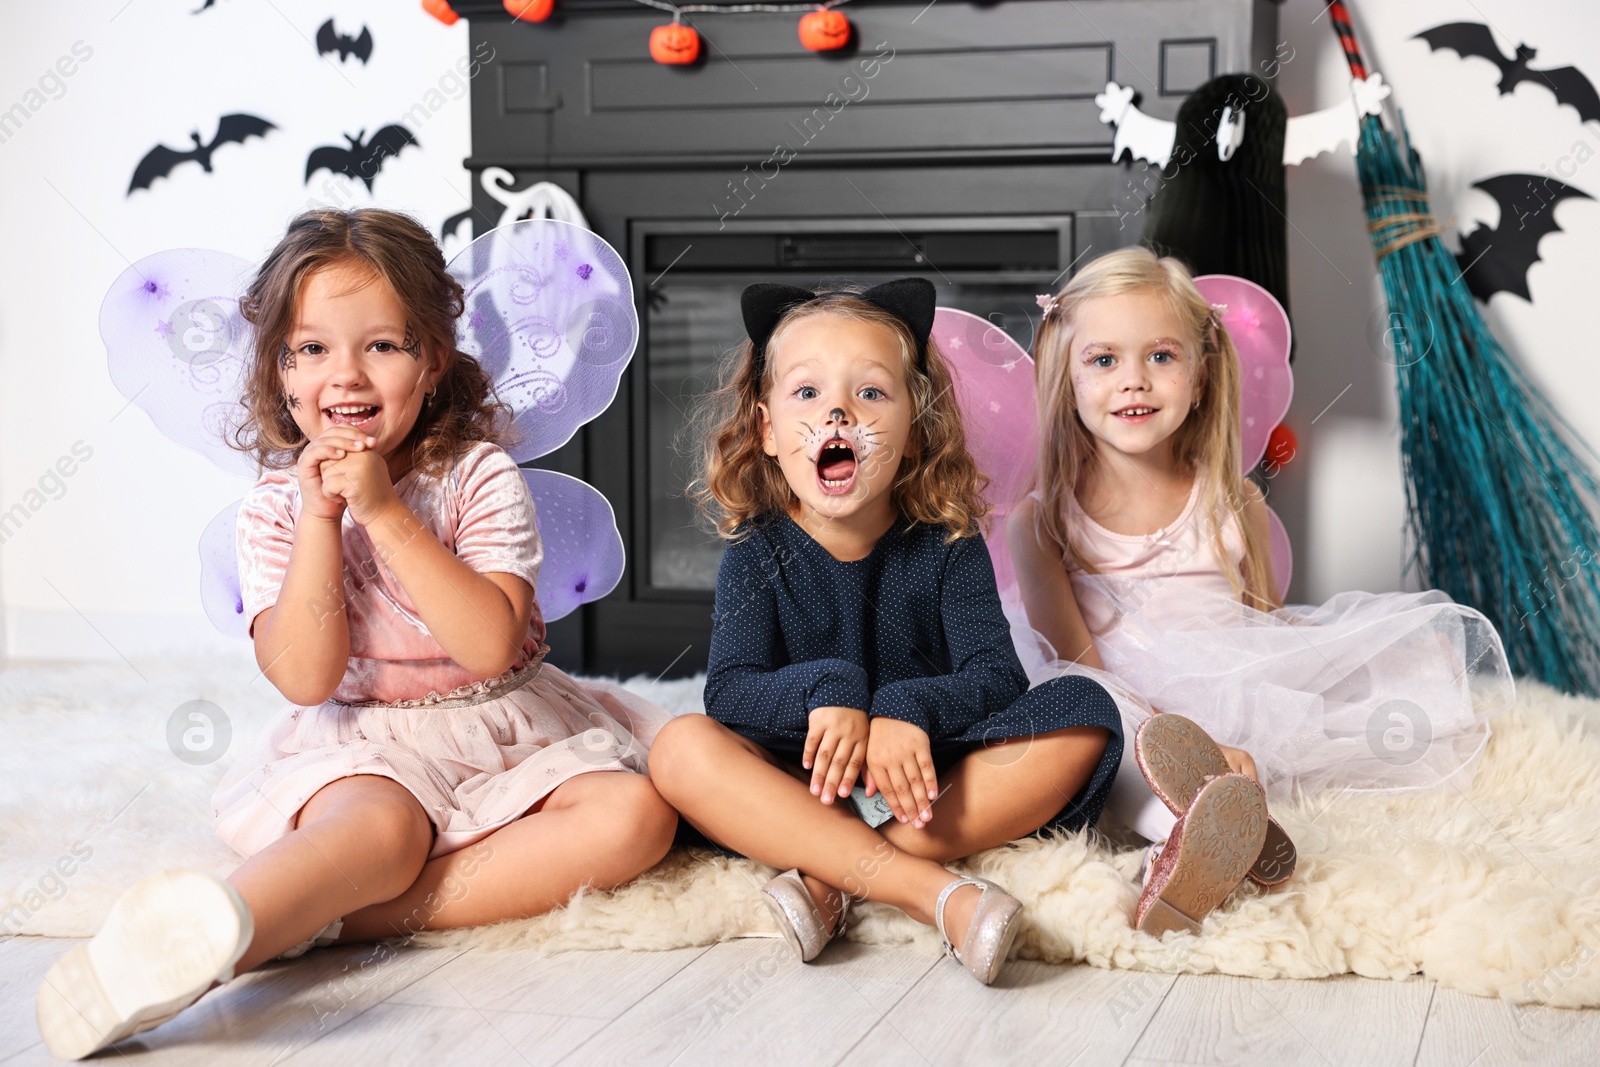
(163, 944)
(1222, 835)
(1177, 756)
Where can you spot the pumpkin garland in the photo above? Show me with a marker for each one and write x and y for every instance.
(821, 29)
(675, 44)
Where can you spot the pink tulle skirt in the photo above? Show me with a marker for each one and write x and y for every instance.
(476, 759)
(1366, 691)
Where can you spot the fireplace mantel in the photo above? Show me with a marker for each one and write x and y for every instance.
(940, 119)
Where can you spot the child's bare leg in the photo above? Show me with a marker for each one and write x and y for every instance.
(357, 841)
(728, 787)
(602, 829)
(1003, 792)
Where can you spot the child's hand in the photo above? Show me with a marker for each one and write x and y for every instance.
(316, 498)
(361, 479)
(1239, 762)
(836, 744)
(900, 766)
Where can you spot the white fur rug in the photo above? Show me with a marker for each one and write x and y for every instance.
(1491, 888)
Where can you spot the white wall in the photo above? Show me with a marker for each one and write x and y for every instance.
(109, 567)
(1342, 495)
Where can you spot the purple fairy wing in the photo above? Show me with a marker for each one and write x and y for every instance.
(994, 390)
(176, 346)
(1260, 331)
(219, 573)
(583, 553)
(550, 315)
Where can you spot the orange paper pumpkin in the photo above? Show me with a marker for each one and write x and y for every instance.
(441, 10)
(674, 44)
(529, 10)
(824, 30)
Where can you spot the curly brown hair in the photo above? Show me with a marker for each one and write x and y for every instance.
(398, 249)
(938, 483)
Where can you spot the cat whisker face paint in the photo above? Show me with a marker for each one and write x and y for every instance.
(838, 453)
(838, 417)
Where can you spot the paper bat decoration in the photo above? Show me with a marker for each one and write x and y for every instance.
(330, 40)
(363, 159)
(1569, 84)
(203, 7)
(451, 225)
(1149, 138)
(1497, 260)
(159, 161)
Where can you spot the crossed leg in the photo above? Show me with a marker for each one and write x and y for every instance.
(1002, 792)
(600, 829)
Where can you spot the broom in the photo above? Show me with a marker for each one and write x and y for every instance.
(1500, 497)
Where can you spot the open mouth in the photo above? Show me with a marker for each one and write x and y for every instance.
(351, 414)
(1137, 413)
(836, 467)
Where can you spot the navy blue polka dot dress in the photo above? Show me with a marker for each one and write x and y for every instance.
(913, 631)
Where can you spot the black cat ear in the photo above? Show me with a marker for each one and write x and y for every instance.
(763, 304)
(912, 301)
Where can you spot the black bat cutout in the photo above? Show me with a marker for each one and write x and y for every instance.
(203, 7)
(453, 223)
(1569, 84)
(1497, 260)
(330, 40)
(159, 161)
(363, 159)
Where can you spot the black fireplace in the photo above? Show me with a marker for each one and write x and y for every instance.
(956, 141)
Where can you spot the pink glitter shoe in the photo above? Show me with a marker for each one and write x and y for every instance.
(1177, 757)
(1207, 856)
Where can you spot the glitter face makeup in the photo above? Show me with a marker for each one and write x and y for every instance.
(1133, 372)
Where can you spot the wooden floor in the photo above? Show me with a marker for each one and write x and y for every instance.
(751, 1002)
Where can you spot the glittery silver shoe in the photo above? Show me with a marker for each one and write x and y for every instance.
(797, 917)
(990, 933)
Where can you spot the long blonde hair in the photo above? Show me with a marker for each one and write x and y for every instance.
(1208, 441)
(938, 482)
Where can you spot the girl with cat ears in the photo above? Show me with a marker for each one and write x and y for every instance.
(858, 635)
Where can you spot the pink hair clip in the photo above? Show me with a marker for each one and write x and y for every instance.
(1046, 301)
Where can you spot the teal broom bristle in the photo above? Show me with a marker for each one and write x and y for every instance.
(1500, 494)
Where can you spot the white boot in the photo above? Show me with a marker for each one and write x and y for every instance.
(165, 942)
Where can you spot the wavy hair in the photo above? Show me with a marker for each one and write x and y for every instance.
(396, 248)
(937, 483)
(1208, 441)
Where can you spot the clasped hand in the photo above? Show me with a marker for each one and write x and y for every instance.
(897, 756)
(340, 469)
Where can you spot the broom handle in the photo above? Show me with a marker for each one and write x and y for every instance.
(1340, 18)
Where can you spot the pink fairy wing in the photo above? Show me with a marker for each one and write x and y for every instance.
(583, 553)
(177, 346)
(1260, 331)
(994, 390)
(1282, 553)
(550, 315)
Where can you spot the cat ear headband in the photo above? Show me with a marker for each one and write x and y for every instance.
(911, 300)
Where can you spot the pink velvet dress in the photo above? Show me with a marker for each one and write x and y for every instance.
(477, 753)
(1372, 691)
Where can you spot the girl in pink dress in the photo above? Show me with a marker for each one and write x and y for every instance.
(1142, 560)
(432, 770)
